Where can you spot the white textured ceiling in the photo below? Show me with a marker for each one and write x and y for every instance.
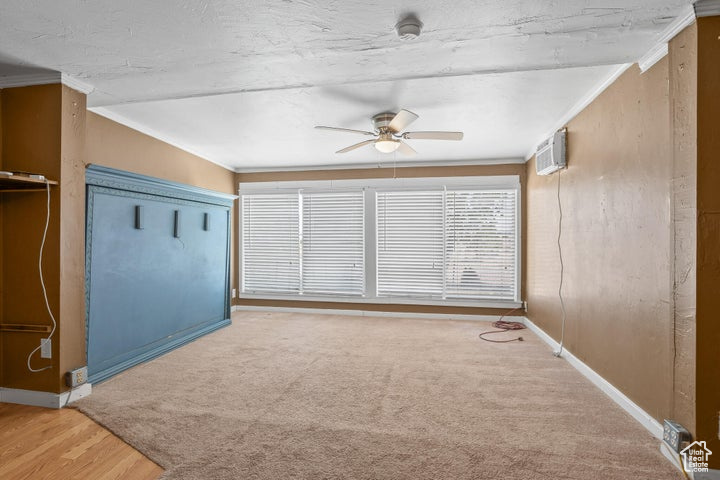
(242, 83)
(503, 116)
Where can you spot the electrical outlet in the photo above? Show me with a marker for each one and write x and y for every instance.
(675, 435)
(45, 348)
(234, 292)
(75, 378)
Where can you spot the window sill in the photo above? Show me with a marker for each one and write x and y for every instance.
(386, 301)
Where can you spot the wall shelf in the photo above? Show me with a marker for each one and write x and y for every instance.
(20, 183)
(16, 327)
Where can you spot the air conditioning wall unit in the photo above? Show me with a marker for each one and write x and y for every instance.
(551, 155)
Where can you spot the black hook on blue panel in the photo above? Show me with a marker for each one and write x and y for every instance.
(177, 224)
(138, 217)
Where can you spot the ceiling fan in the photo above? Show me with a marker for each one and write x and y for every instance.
(387, 133)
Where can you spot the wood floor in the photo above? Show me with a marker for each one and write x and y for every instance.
(40, 443)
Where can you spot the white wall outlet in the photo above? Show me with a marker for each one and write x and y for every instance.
(45, 348)
(75, 378)
(234, 292)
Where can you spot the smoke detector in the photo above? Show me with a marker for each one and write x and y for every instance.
(409, 27)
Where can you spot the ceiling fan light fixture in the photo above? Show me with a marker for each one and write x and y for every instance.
(387, 145)
(389, 130)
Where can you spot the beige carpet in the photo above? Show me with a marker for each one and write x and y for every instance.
(279, 396)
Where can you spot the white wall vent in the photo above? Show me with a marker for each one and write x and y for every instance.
(551, 154)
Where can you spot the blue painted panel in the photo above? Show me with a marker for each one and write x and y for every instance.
(153, 288)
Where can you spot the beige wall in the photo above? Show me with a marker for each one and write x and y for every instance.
(641, 236)
(371, 173)
(683, 117)
(47, 129)
(616, 239)
(44, 133)
(640, 229)
(708, 235)
(114, 145)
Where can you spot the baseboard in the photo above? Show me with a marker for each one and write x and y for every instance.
(645, 419)
(369, 313)
(44, 399)
(235, 308)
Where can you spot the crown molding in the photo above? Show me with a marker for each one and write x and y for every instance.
(660, 49)
(581, 104)
(76, 84)
(118, 118)
(45, 78)
(653, 56)
(385, 165)
(707, 8)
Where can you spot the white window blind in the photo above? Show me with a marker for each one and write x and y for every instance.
(410, 243)
(333, 243)
(433, 241)
(480, 246)
(271, 243)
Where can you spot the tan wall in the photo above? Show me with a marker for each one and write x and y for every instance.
(371, 173)
(708, 236)
(641, 236)
(683, 117)
(46, 129)
(71, 338)
(114, 145)
(616, 239)
(33, 126)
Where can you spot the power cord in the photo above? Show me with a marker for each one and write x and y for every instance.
(42, 284)
(559, 352)
(682, 467)
(504, 326)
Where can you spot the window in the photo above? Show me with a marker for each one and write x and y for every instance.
(303, 243)
(480, 244)
(333, 243)
(447, 244)
(271, 243)
(449, 240)
(410, 244)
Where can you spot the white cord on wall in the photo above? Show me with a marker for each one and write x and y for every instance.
(42, 284)
(559, 352)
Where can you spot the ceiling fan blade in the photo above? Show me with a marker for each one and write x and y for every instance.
(357, 145)
(433, 135)
(406, 149)
(345, 130)
(402, 120)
